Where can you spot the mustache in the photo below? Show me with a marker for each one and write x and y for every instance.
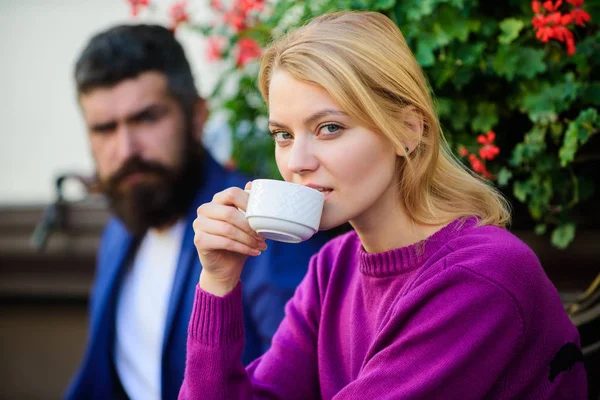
(135, 165)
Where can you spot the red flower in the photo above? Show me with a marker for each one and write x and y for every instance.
(178, 14)
(544, 34)
(539, 21)
(488, 138)
(238, 16)
(570, 44)
(561, 33)
(580, 16)
(566, 19)
(235, 19)
(488, 151)
(478, 166)
(216, 45)
(250, 5)
(462, 150)
(137, 5)
(548, 5)
(248, 50)
(549, 23)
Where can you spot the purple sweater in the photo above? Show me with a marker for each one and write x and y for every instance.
(466, 314)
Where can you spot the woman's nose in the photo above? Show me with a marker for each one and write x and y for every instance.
(302, 158)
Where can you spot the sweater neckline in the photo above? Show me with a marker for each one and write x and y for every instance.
(406, 259)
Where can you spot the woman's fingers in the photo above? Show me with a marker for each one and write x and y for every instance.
(228, 214)
(206, 242)
(232, 196)
(230, 231)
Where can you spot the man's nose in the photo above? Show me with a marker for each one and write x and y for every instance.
(302, 157)
(127, 143)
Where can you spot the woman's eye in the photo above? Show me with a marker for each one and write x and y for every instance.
(281, 136)
(329, 129)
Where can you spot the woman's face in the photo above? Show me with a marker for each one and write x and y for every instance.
(319, 145)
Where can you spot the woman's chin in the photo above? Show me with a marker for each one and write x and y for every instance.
(328, 225)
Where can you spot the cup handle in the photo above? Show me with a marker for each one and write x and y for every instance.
(247, 191)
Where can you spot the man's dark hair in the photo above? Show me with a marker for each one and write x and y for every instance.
(126, 51)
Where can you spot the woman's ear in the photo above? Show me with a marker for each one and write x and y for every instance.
(199, 118)
(413, 122)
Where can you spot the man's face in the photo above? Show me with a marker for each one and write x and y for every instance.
(140, 143)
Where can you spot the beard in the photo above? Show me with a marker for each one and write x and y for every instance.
(159, 200)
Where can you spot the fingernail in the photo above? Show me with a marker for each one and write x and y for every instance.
(256, 252)
(263, 246)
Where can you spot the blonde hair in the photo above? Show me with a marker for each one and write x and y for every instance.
(364, 63)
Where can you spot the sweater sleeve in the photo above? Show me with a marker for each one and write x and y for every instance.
(450, 338)
(288, 370)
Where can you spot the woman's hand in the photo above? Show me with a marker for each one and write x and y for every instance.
(224, 240)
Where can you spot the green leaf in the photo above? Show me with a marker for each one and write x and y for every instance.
(382, 4)
(359, 4)
(486, 118)
(417, 9)
(533, 144)
(425, 48)
(570, 145)
(452, 23)
(443, 107)
(512, 61)
(578, 133)
(463, 77)
(506, 62)
(540, 187)
(510, 28)
(556, 131)
(469, 53)
(563, 235)
(531, 62)
(504, 176)
(540, 229)
(521, 190)
(591, 94)
(546, 163)
(548, 100)
(458, 114)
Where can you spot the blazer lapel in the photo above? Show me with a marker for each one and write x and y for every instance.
(214, 180)
(116, 255)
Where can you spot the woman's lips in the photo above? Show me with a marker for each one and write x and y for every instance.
(326, 192)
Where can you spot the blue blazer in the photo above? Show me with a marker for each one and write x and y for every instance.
(268, 282)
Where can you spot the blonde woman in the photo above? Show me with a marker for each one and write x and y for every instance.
(428, 297)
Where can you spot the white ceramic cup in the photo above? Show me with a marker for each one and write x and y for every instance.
(284, 211)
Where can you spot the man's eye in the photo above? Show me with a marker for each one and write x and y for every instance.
(103, 129)
(148, 117)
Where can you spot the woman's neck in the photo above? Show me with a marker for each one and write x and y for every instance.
(387, 225)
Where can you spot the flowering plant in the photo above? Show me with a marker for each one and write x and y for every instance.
(517, 89)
